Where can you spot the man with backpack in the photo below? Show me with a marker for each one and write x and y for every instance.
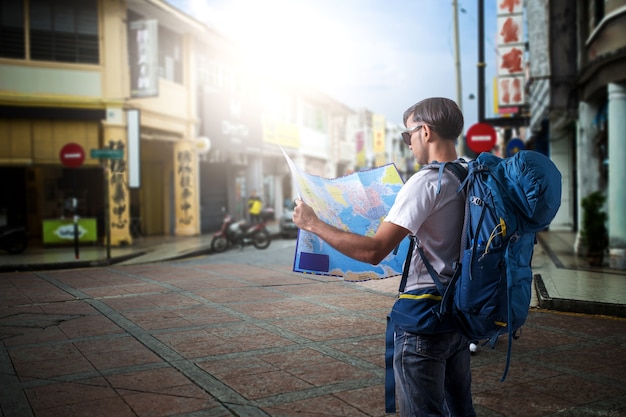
(431, 360)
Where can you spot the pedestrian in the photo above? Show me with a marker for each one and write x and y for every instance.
(255, 206)
(432, 371)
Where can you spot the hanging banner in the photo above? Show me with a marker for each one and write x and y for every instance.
(143, 54)
(511, 59)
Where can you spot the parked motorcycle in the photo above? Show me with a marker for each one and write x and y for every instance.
(240, 233)
(13, 239)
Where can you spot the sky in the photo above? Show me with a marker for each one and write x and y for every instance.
(382, 55)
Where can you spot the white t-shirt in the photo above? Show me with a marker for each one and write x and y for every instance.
(436, 220)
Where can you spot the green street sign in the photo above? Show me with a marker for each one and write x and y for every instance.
(107, 153)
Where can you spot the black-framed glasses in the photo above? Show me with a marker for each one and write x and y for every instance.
(406, 136)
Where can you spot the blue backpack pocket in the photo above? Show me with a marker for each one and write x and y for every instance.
(480, 295)
(418, 311)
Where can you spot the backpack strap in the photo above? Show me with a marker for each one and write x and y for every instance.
(461, 173)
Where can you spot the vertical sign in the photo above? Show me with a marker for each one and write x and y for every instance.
(143, 49)
(133, 136)
(510, 56)
(378, 134)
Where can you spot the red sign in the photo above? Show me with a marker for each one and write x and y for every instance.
(72, 155)
(481, 137)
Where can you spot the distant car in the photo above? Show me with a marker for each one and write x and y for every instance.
(286, 224)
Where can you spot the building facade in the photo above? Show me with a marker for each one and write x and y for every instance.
(171, 127)
(577, 94)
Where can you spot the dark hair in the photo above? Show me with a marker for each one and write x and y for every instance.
(441, 114)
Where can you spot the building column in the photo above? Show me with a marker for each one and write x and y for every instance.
(617, 172)
(587, 174)
(116, 180)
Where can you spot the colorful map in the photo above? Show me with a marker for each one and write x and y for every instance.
(358, 203)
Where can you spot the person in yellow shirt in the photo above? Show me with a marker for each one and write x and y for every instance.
(255, 205)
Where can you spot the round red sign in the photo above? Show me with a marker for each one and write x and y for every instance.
(72, 155)
(481, 137)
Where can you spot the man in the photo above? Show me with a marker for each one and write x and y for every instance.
(255, 206)
(432, 372)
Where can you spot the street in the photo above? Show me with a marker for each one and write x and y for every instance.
(239, 334)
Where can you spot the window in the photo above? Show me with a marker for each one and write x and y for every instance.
(64, 31)
(12, 29)
(314, 117)
(170, 55)
(598, 11)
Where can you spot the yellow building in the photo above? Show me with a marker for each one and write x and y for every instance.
(81, 73)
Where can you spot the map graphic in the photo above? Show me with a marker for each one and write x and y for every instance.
(357, 203)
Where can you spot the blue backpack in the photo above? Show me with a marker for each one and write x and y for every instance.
(507, 202)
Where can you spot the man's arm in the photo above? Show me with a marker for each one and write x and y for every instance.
(362, 248)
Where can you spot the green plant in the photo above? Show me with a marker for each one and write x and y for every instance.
(594, 232)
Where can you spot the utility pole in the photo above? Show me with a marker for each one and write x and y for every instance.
(460, 145)
(481, 61)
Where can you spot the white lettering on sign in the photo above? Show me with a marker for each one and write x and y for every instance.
(67, 231)
(481, 138)
(72, 155)
(234, 129)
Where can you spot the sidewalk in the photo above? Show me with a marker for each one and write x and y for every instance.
(201, 337)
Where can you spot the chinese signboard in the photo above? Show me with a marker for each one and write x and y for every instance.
(511, 61)
(143, 54)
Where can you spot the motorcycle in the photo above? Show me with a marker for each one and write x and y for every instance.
(13, 239)
(240, 233)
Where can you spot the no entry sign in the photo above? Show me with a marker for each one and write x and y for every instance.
(72, 155)
(481, 137)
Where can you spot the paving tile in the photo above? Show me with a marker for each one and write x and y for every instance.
(369, 400)
(329, 373)
(371, 350)
(60, 394)
(322, 406)
(232, 368)
(17, 335)
(236, 337)
(237, 295)
(89, 326)
(333, 326)
(360, 302)
(266, 385)
(508, 402)
(159, 405)
(269, 309)
(116, 353)
(158, 380)
(49, 361)
(586, 391)
(105, 407)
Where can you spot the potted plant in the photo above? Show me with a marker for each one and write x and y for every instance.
(594, 233)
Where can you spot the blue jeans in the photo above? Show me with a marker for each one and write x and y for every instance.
(432, 373)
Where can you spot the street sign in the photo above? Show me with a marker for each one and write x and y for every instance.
(481, 137)
(107, 153)
(514, 146)
(72, 155)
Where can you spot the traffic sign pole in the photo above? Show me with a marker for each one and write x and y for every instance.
(72, 155)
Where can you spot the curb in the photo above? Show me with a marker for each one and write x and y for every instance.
(68, 265)
(575, 306)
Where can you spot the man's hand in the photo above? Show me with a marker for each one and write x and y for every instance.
(303, 215)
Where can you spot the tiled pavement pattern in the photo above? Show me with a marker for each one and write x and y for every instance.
(193, 339)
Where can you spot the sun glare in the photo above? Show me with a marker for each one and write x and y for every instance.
(288, 40)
